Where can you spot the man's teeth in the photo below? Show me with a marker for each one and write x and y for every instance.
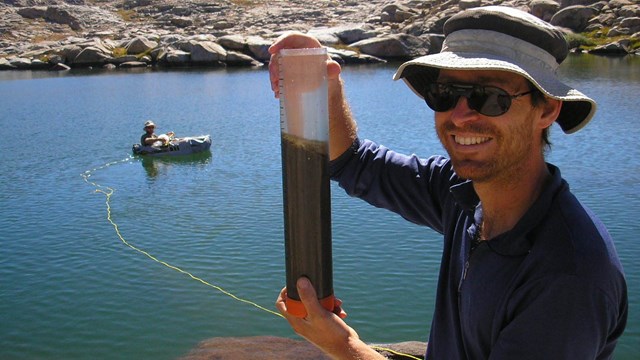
(470, 140)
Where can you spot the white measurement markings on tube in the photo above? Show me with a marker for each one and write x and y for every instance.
(283, 113)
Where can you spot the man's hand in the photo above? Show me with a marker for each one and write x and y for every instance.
(342, 126)
(323, 328)
(296, 40)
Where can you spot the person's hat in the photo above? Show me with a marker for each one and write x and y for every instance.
(149, 123)
(502, 38)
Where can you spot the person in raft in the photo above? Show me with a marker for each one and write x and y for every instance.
(149, 138)
(527, 271)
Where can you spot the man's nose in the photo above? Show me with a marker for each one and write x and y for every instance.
(462, 113)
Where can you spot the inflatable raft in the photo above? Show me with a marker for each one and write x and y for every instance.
(177, 146)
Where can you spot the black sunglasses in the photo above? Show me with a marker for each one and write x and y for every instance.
(487, 100)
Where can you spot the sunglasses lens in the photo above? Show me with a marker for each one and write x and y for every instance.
(489, 101)
(440, 97)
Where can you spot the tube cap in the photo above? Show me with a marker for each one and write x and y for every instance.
(297, 309)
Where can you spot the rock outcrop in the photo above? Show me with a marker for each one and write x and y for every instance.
(272, 348)
(124, 33)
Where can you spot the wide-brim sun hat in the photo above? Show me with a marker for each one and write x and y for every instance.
(149, 123)
(506, 39)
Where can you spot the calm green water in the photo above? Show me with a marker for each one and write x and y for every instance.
(70, 288)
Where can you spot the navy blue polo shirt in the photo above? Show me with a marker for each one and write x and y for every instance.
(550, 288)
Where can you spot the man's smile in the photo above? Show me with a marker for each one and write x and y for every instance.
(470, 140)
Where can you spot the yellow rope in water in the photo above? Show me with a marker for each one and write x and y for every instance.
(108, 192)
(378, 348)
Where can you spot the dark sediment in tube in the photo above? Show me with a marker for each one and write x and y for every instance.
(307, 214)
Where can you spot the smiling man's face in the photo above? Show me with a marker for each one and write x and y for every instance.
(482, 147)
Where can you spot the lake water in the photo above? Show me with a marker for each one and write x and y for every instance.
(70, 288)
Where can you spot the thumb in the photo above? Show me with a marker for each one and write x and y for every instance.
(308, 296)
(333, 69)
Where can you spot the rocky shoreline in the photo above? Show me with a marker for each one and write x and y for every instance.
(64, 34)
(272, 347)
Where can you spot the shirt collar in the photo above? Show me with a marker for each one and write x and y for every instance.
(517, 241)
(465, 195)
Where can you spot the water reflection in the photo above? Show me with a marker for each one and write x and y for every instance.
(595, 68)
(161, 165)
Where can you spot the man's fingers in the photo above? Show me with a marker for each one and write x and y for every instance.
(293, 40)
(333, 70)
(308, 297)
(338, 310)
(274, 76)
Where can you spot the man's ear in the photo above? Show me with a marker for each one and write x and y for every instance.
(550, 112)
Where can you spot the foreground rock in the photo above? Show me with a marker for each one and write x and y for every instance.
(36, 34)
(272, 348)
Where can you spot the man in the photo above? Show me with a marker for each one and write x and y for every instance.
(149, 137)
(527, 271)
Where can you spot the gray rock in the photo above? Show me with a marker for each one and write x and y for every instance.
(203, 37)
(158, 53)
(414, 348)
(326, 36)
(567, 3)
(35, 12)
(631, 22)
(575, 18)
(435, 43)
(343, 56)
(220, 24)
(171, 39)
(68, 53)
(248, 31)
(544, 9)
(605, 19)
(617, 48)
(62, 15)
(20, 63)
(184, 45)
(628, 11)
(614, 4)
(181, 22)
(37, 64)
(90, 56)
(239, 59)
(437, 26)
(271, 347)
(6, 65)
(396, 13)
(124, 59)
(468, 4)
(177, 57)
(130, 4)
(207, 52)
(60, 67)
(139, 45)
(398, 46)
(259, 48)
(181, 11)
(353, 33)
(233, 42)
(255, 348)
(132, 64)
(631, 25)
(55, 59)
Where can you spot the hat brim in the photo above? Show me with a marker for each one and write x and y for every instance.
(577, 108)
